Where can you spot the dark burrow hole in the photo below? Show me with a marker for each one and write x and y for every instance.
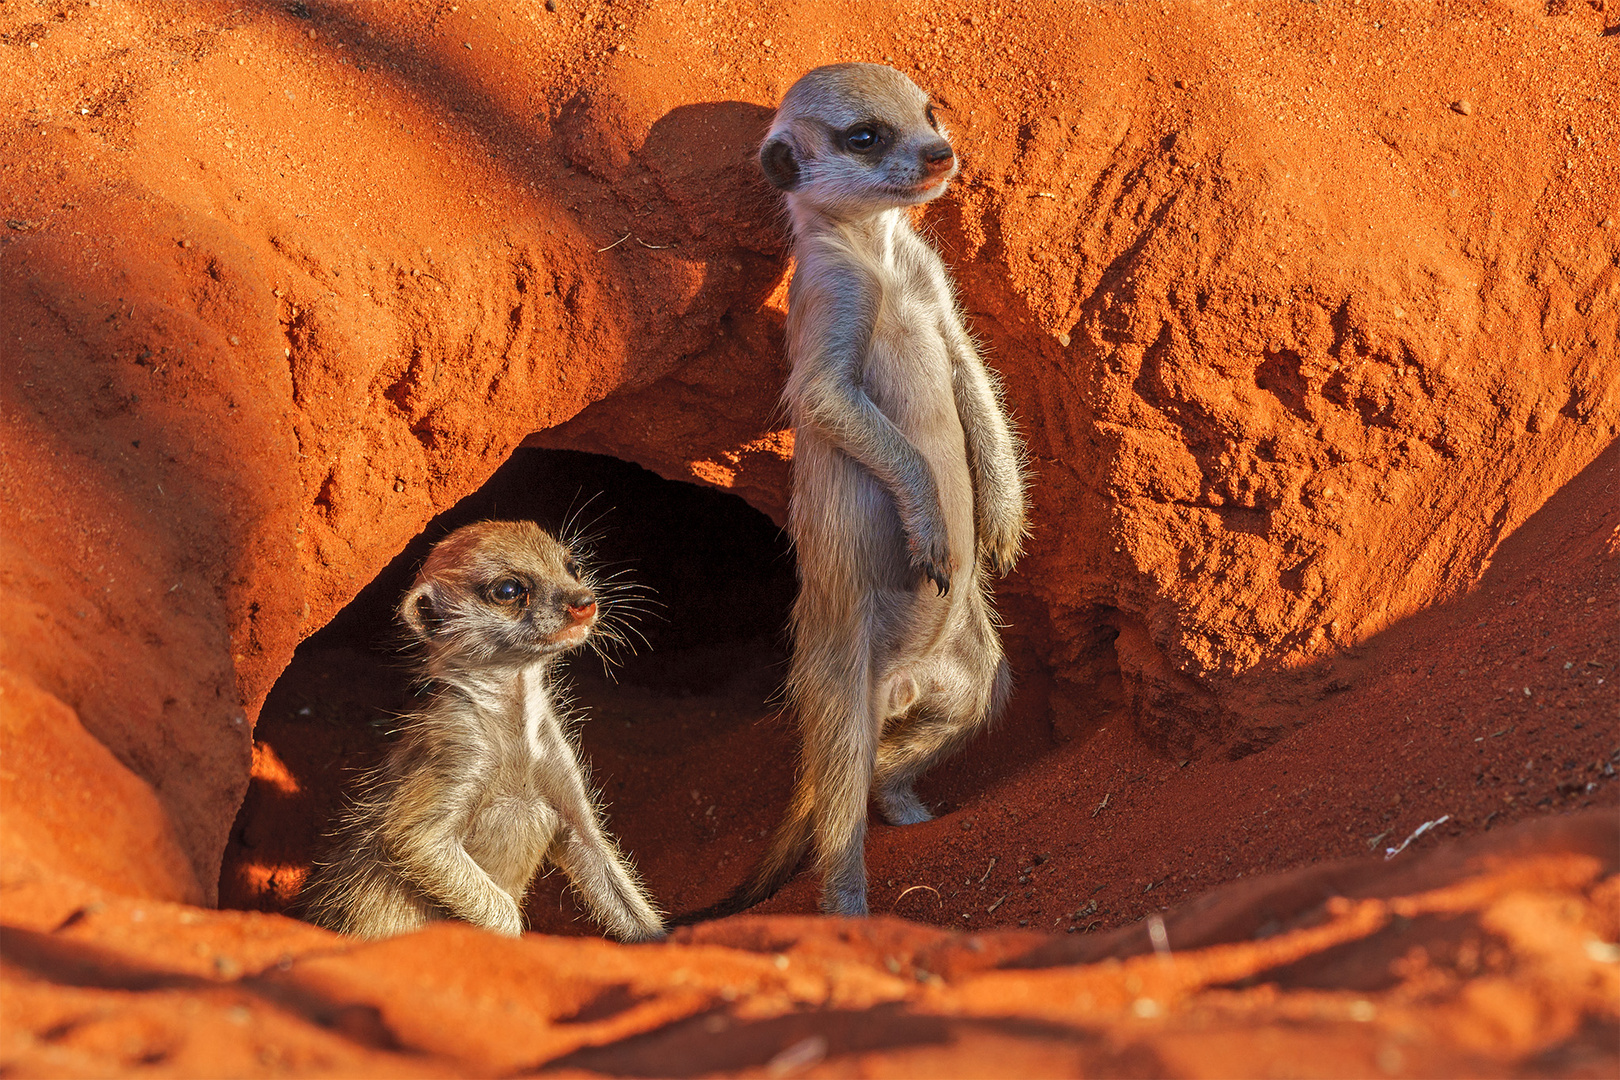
(683, 735)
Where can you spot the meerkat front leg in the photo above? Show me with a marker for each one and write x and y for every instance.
(998, 475)
(590, 857)
(426, 846)
(598, 870)
(824, 385)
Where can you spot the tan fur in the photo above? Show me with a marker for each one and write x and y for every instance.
(486, 782)
(907, 478)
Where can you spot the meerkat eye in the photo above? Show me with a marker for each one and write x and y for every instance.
(932, 121)
(572, 567)
(861, 139)
(508, 591)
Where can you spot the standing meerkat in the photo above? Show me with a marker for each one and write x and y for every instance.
(908, 481)
(485, 782)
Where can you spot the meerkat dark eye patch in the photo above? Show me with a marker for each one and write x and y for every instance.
(933, 121)
(781, 168)
(572, 568)
(507, 592)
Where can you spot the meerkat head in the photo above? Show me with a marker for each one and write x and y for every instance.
(855, 138)
(500, 591)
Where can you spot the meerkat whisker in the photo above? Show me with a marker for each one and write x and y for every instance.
(582, 537)
(624, 638)
(627, 612)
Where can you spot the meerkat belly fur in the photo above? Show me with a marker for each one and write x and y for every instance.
(485, 783)
(908, 480)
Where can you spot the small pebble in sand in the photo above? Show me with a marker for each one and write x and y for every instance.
(1462, 107)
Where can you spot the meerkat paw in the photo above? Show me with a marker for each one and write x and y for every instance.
(505, 920)
(642, 933)
(932, 559)
(1003, 542)
(1004, 556)
(900, 806)
(845, 901)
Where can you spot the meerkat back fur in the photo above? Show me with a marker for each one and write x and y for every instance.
(485, 783)
(908, 479)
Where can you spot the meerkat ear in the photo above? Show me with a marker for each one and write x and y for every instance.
(416, 611)
(781, 168)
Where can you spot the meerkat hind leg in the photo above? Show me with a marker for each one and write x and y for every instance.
(896, 800)
(904, 757)
(841, 736)
(368, 900)
(899, 802)
(955, 706)
(390, 911)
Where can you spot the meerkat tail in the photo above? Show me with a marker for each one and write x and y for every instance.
(790, 843)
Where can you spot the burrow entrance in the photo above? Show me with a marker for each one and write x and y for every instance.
(685, 736)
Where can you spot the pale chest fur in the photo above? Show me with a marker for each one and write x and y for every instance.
(513, 821)
(905, 367)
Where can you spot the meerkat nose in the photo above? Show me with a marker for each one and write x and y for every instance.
(937, 157)
(583, 608)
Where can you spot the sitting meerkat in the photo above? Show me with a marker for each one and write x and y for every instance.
(908, 480)
(485, 782)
